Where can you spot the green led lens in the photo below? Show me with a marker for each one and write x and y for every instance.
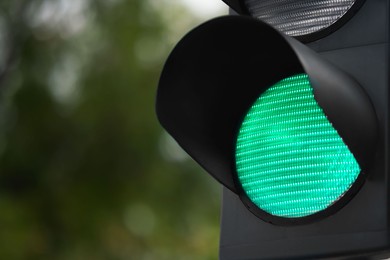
(290, 160)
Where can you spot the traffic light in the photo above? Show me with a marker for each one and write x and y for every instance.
(286, 105)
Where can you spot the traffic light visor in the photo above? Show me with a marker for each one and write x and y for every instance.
(268, 118)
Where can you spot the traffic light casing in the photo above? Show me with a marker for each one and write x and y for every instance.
(203, 97)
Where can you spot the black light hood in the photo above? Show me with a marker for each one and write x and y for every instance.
(220, 68)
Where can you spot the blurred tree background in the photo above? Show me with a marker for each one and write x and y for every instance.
(86, 172)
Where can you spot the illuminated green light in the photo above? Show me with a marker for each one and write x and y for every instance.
(290, 160)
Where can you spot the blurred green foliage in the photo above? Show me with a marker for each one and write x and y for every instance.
(86, 172)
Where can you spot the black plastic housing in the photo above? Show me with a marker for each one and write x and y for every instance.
(204, 95)
(359, 230)
(238, 6)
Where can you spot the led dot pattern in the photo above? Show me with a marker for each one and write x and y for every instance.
(290, 160)
(299, 17)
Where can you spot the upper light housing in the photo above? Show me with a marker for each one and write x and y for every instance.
(307, 20)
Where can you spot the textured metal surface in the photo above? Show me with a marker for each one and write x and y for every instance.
(300, 17)
(290, 160)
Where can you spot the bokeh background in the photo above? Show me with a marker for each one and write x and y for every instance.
(86, 172)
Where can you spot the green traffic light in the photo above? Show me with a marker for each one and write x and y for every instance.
(290, 160)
